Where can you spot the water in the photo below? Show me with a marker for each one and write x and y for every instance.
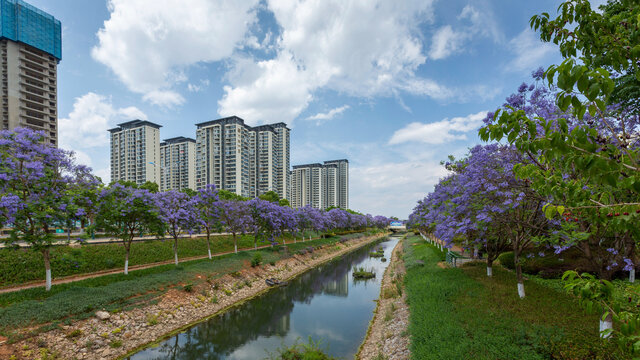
(324, 303)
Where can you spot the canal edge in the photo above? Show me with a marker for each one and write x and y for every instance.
(350, 248)
(372, 345)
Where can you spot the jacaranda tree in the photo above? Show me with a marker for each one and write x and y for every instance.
(35, 182)
(126, 212)
(178, 213)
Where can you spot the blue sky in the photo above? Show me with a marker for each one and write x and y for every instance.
(393, 86)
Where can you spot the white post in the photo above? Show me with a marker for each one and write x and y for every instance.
(175, 255)
(236, 248)
(126, 267)
(489, 271)
(48, 275)
(632, 275)
(521, 290)
(605, 325)
(209, 251)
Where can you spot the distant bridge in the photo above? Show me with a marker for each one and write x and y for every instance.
(397, 226)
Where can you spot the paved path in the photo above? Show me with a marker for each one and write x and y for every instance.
(107, 240)
(73, 278)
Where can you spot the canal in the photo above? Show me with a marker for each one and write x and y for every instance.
(324, 304)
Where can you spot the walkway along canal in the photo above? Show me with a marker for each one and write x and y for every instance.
(325, 303)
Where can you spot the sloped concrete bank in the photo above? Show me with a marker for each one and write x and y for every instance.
(125, 333)
(387, 337)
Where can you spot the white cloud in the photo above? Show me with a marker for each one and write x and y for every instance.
(278, 91)
(321, 117)
(529, 51)
(87, 124)
(439, 132)
(202, 84)
(148, 45)
(327, 44)
(164, 98)
(445, 42)
(384, 179)
(397, 185)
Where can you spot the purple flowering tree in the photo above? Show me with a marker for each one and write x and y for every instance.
(35, 182)
(125, 212)
(178, 213)
(263, 216)
(207, 213)
(235, 218)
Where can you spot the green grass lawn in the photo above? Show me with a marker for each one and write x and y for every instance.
(23, 265)
(80, 299)
(460, 313)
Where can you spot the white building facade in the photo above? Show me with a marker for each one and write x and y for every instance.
(245, 160)
(178, 164)
(321, 185)
(135, 152)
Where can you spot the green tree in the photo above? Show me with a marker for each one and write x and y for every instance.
(270, 196)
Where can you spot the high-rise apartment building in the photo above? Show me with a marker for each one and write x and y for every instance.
(135, 152)
(321, 185)
(30, 50)
(178, 164)
(307, 186)
(342, 182)
(245, 160)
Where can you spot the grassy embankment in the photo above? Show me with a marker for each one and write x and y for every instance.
(18, 266)
(460, 313)
(117, 292)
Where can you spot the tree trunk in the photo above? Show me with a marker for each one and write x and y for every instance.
(632, 275)
(606, 324)
(208, 244)
(489, 267)
(235, 243)
(47, 268)
(69, 234)
(126, 260)
(516, 260)
(175, 249)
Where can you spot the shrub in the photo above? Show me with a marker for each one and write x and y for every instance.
(188, 288)
(256, 260)
(507, 260)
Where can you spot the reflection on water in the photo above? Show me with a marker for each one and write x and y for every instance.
(324, 303)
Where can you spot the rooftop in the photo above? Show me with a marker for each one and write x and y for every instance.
(134, 124)
(178, 139)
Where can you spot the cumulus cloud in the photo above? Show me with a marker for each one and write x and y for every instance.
(439, 132)
(148, 47)
(87, 124)
(328, 44)
(321, 117)
(269, 90)
(529, 51)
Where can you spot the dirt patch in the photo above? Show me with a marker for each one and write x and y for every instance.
(387, 334)
(443, 264)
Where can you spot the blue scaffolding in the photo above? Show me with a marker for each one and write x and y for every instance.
(25, 23)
